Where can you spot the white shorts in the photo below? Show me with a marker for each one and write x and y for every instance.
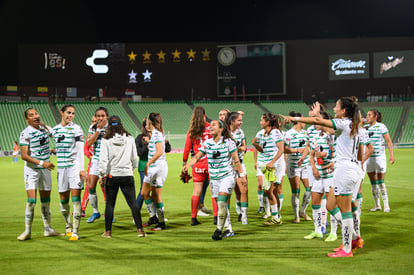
(157, 175)
(37, 179)
(301, 172)
(347, 175)
(15, 153)
(311, 178)
(68, 178)
(377, 164)
(94, 169)
(280, 168)
(322, 185)
(225, 185)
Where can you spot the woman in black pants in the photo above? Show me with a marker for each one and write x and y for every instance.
(117, 162)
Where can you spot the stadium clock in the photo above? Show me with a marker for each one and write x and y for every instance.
(226, 56)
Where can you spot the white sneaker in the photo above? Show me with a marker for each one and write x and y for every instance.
(376, 208)
(201, 213)
(305, 216)
(244, 221)
(49, 232)
(69, 230)
(26, 235)
(387, 209)
(266, 215)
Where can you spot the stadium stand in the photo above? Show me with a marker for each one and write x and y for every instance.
(85, 110)
(251, 118)
(408, 132)
(175, 115)
(12, 120)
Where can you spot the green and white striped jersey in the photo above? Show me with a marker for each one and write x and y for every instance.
(269, 145)
(66, 138)
(323, 142)
(296, 140)
(37, 141)
(376, 134)
(219, 157)
(97, 144)
(312, 133)
(238, 137)
(156, 137)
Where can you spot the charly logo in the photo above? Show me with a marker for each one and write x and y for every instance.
(98, 54)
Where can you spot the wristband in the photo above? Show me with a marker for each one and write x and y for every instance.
(297, 118)
(40, 164)
(241, 175)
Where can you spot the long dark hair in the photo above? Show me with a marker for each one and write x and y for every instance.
(293, 113)
(232, 117)
(115, 129)
(102, 109)
(40, 121)
(226, 132)
(352, 112)
(64, 107)
(197, 126)
(143, 128)
(156, 120)
(377, 114)
(274, 120)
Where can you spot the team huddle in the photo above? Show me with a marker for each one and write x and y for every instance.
(330, 158)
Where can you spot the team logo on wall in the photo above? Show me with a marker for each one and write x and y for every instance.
(98, 54)
(54, 61)
(391, 62)
(394, 64)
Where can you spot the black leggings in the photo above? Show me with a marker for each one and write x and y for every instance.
(127, 186)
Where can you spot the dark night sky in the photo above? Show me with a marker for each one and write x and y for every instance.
(80, 21)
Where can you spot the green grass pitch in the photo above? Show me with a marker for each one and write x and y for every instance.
(185, 249)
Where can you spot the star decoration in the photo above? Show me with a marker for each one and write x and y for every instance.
(147, 56)
(191, 54)
(161, 56)
(132, 56)
(147, 76)
(206, 55)
(132, 77)
(176, 54)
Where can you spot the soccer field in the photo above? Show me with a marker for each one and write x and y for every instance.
(185, 249)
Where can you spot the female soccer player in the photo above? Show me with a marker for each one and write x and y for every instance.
(96, 133)
(235, 120)
(15, 151)
(296, 140)
(141, 142)
(117, 162)
(269, 144)
(347, 167)
(322, 146)
(70, 167)
(377, 163)
(197, 134)
(221, 153)
(156, 172)
(34, 146)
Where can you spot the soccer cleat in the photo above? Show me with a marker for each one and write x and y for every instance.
(338, 248)
(69, 230)
(160, 226)
(266, 215)
(94, 217)
(376, 208)
(305, 216)
(387, 209)
(227, 234)
(83, 213)
(331, 238)
(151, 221)
(217, 235)
(239, 218)
(296, 220)
(202, 213)
(357, 243)
(107, 234)
(341, 254)
(50, 232)
(142, 234)
(74, 237)
(272, 221)
(26, 235)
(313, 235)
(194, 221)
(205, 210)
(261, 210)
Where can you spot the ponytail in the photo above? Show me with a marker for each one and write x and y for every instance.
(352, 112)
(377, 114)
